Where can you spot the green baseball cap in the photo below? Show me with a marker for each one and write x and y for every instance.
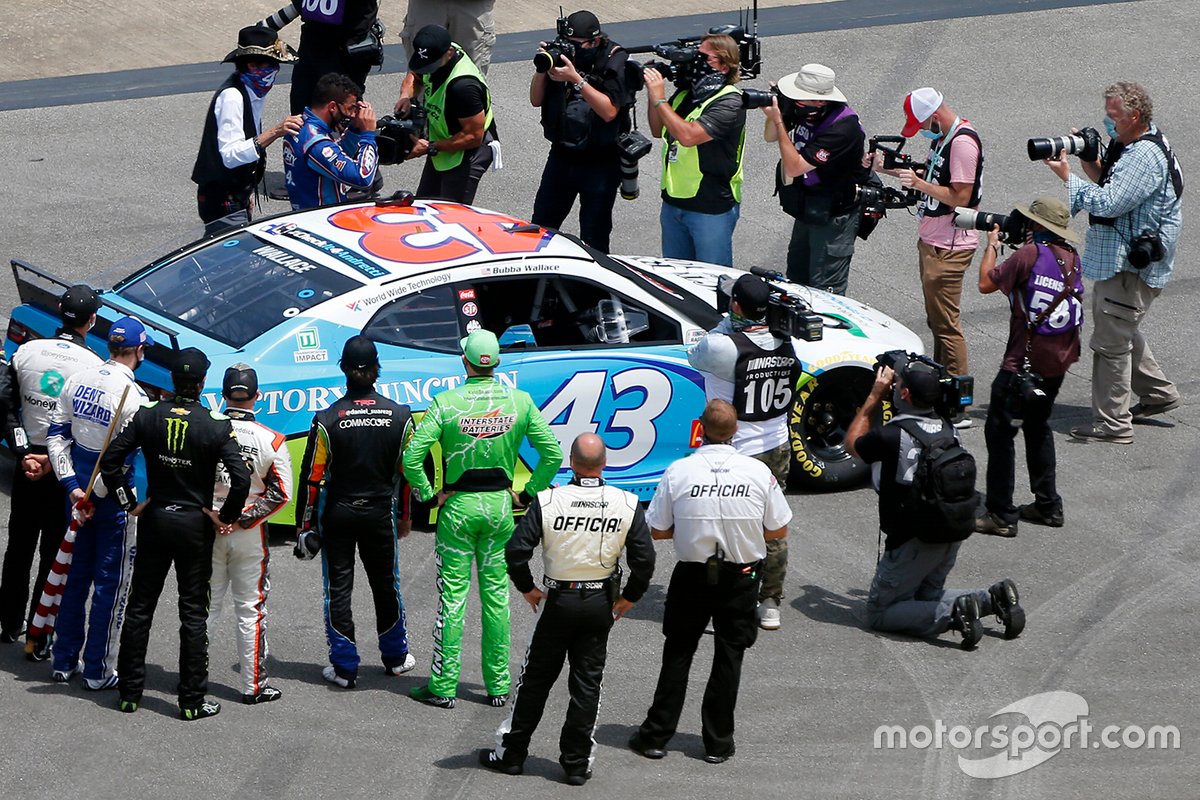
(482, 349)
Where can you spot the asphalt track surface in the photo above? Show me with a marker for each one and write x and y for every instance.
(93, 186)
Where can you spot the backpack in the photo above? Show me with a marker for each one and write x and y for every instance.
(943, 501)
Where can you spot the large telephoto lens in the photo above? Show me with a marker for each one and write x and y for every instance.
(969, 219)
(1050, 146)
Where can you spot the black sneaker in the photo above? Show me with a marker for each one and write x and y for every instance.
(41, 649)
(1031, 513)
(992, 525)
(423, 695)
(209, 708)
(127, 706)
(637, 745)
(578, 778)
(267, 694)
(1007, 607)
(11, 637)
(965, 618)
(489, 759)
(498, 700)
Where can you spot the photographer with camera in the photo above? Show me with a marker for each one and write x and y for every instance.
(927, 500)
(462, 141)
(738, 359)
(335, 149)
(342, 36)
(950, 179)
(1044, 285)
(233, 149)
(821, 150)
(703, 128)
(579, 85)
(1133, 206)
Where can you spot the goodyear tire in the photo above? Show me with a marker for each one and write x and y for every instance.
(817, 425)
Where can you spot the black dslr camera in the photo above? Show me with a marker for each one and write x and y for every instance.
(891, 147)
(958, 391)
(1085, 144)
(370, 47)
(1024, 392)
(553, 53)
(788, 316)
(1144, 249)
(1013, 227)
(397, 137)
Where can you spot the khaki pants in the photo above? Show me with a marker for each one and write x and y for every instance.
(1121, 357)
(775, 565)
(470, 24)
(941, 282)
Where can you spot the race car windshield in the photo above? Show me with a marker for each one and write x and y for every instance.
(237, 289)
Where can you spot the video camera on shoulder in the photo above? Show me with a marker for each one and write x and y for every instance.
(891, 147)
(683, 62)
(958, 391)
(788, 316)
(396, 137)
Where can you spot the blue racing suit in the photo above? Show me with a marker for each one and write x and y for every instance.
(320, 168)
(103, 556)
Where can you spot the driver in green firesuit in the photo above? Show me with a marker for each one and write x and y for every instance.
(480, 426)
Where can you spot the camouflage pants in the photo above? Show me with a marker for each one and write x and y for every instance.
(775, 569)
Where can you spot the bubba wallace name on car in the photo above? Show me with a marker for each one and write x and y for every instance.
(317, 398)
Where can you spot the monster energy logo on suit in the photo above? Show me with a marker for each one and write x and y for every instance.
(176, 434)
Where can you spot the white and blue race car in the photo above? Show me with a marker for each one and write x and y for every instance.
(598, 341)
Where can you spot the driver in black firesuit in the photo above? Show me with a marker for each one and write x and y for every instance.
(183, 442)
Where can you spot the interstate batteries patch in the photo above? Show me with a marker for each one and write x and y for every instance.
(487, 426)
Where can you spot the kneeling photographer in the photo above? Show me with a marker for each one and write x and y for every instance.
(1134, 211)
(821, 150)
(1044, 286)
(579, 85)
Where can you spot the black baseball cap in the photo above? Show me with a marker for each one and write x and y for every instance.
(359, 353)
(190, 362)
(752, 293)
(921, 380)
(428, 46)
(240, 382)
(582, 25)
(78, 303)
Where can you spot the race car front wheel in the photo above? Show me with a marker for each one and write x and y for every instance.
(823, 409)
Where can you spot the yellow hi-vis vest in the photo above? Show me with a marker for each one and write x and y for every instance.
(681, 173)
(435, 107)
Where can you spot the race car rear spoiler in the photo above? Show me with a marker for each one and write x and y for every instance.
(42, 290)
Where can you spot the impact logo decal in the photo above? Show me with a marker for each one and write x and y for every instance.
(487, 426)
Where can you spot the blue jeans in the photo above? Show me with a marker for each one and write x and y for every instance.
(695, 236)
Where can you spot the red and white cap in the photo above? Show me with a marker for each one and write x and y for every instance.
(919, 106)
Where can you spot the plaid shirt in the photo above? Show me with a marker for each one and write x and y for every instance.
(1140, 197)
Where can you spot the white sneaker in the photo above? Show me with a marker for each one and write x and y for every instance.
(963, 422)
(768, 615)
(100, 684)
(400, 669)
(330, 674)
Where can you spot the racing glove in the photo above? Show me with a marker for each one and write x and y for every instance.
(308, 544)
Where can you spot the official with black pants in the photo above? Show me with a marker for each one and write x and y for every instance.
(719, 507)
(582, 527)
(183, 442)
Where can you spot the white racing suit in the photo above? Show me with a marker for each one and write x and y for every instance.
(241, 559)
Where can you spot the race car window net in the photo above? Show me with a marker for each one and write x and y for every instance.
(426, 320)
(236, 289)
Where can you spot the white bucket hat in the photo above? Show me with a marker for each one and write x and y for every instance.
(812, 82)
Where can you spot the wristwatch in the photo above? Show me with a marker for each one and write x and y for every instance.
(579, 86)
(433, 149)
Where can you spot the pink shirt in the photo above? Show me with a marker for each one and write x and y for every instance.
(940, 231)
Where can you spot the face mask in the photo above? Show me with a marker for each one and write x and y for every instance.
(585, 58)
(1044, 237)
(261, 80)
(709, 81)
(934, 133)
(812, 115)
(1110, 126)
